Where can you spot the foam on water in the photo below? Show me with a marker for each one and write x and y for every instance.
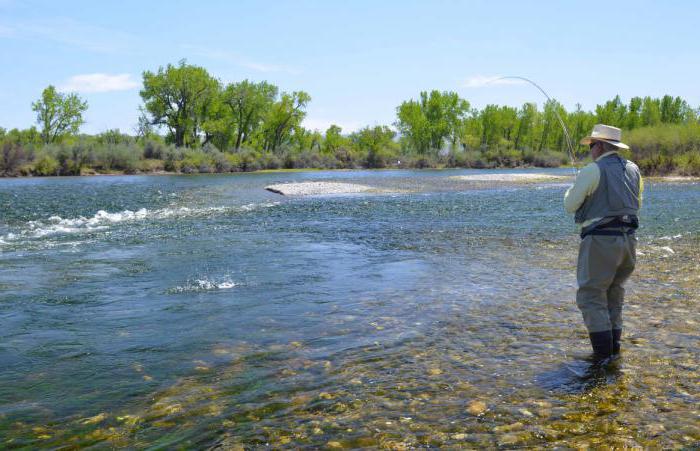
(202, 285)
(102, 220)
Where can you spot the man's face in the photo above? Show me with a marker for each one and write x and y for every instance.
(595, 149)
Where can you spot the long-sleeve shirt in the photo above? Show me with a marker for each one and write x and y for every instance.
(586, 183)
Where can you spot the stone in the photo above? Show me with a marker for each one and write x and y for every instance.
(476, 408)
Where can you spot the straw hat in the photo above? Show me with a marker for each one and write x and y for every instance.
(605, 133)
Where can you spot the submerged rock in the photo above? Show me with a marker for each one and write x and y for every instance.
(476, 408)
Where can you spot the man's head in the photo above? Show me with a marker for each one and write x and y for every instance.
(604, 138)
(599, 148)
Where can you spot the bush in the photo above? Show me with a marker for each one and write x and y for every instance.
(464, 159)
(549, 159)
(221, 163)
(688, 163)
(234, 161)
(151, 165)
(196, 161)
(122, 157)
(45, 164)
(11, 158)
(250, 160)
(154, 149)
(270, 161)
(380, 158)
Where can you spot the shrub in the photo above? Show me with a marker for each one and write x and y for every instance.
(549, 159)
(270, 161)
(122, 157)
(12, 157)
(154, 149)
(688, 163)
(234, 161)
(45, 164)
(221, 163)
(151, 165)
(196, 161)
(250, 160)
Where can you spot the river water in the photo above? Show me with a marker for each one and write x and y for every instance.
(204, 311)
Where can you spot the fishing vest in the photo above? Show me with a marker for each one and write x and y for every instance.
(617, 193)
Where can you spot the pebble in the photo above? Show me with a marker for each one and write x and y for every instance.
(508, 427)
(476, 408)
(434, 371)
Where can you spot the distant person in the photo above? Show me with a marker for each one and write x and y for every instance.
(605, 198)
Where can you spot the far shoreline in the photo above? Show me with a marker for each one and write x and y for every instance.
(670, 177)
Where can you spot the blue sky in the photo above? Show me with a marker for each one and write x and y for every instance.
(358, 59)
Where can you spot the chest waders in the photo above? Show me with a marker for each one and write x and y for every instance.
(607, 253)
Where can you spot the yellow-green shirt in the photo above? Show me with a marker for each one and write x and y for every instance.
(586, 183)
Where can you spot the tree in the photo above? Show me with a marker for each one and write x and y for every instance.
(144, 128)
(429, 121)
(58, 114)
(651, 111)
(634, 118)
(284, 116)
(375, 142)
(613, 112)
(526, 118)
(180, 98)
(414, 125)
(248, 104)
(333, 139)
(674, 110)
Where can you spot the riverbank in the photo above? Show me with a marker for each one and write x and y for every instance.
(670, 177)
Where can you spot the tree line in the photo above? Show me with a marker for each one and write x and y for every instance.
(192, 122)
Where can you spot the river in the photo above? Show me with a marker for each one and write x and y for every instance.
(204, 311)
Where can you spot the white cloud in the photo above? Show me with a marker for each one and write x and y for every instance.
(480, 81)
(99, 83)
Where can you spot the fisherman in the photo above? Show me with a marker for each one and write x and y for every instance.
(605, 198)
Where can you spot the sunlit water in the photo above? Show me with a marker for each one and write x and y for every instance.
(204, 311)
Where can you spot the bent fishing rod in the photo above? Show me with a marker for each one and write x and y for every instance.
(567, 136)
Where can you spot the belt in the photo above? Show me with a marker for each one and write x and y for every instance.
(607, 232)
(628, 228)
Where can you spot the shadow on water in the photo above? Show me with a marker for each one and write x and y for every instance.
(580, 375)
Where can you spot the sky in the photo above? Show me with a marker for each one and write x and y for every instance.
(357, 59)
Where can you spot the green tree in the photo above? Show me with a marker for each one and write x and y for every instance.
(376, 142)
(333, 139)
(437, 116)
(248, 104)
(179, 98)
(526, 121)
(651, 111)
(674, 110)
(613, 112)
(634, 114)
(414, 126)
(284, 116)
(58, 114)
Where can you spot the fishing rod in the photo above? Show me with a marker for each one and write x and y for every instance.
(567, 136)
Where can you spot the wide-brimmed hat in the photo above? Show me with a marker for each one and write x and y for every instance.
(607, 134)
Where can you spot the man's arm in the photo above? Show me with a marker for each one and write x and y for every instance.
(586, 182)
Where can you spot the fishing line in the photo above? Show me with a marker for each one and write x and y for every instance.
(567, 136)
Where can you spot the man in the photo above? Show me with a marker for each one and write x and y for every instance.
(605, 198)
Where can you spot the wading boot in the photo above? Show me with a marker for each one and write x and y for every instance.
(602, 343)
(616, 337)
